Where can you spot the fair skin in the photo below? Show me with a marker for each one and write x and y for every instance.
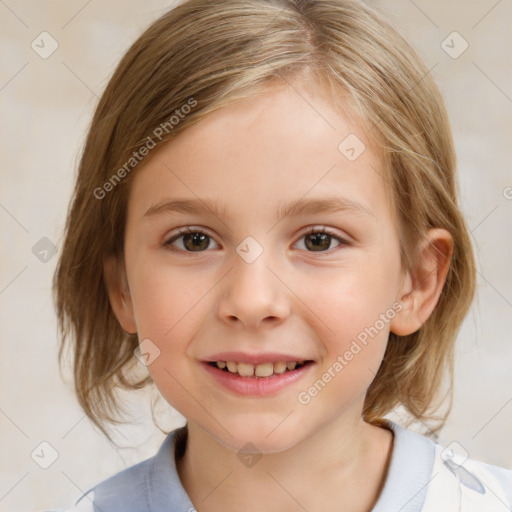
(192, 302)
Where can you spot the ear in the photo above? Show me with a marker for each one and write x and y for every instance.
(116, 282)
(422, 287)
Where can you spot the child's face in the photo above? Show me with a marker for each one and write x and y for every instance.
(260, 284)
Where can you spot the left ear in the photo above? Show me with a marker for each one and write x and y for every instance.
(422, 286)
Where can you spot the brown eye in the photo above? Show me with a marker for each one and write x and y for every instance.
(193, 241)
(319, 240)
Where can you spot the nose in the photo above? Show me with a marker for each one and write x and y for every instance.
(253, 295)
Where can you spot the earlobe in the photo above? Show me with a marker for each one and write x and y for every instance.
(119, 293)
(423, 285)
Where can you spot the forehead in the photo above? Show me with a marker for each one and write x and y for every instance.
(261, 152)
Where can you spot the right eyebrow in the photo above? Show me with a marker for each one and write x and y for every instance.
(187, 206)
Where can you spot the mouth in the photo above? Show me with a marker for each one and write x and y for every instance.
(258, 378)
(259, 371)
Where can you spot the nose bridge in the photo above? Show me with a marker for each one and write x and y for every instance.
(252, 292)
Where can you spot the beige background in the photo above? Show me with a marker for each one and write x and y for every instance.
(46, 105)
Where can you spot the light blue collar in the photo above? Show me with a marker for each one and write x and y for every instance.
(154, 485)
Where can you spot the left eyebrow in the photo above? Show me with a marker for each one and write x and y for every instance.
(332, 204)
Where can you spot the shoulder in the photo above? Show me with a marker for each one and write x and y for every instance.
(79, 504)
(427, 476)
(469, 485)
(126, 490)
(149, 486)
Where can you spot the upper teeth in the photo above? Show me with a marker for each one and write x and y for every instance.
(260, 370)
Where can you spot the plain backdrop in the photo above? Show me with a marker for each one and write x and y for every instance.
(46, 105)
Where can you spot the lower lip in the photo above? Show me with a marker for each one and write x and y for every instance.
(256, 386)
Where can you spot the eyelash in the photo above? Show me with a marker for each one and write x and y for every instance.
(310, 231)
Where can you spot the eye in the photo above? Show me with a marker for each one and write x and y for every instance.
(318, 239)
(194, 240)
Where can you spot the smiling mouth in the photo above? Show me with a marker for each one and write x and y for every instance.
(259, 371)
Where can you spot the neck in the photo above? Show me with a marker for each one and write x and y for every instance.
(345, 463)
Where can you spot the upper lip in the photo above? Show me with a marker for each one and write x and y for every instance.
(260, 357)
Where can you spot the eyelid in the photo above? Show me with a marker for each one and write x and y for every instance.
(345, 239)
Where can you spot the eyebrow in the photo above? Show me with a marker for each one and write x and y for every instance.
(331, 204)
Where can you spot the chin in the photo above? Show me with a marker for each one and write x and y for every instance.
(266, 439)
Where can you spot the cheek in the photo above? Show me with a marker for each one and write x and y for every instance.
(164, 297)
(167, 302)
(353, 327)
(355, 309)
(352, 299)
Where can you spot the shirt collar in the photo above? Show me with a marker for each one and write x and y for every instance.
(409, 473)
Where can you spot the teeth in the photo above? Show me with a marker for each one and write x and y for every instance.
(246, 370)
(232, 367)
(258, 370)
(264, 370)
(280, 367)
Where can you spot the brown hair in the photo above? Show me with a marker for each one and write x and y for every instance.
(208, 55)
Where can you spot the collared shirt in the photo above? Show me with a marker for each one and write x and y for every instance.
(423, 476)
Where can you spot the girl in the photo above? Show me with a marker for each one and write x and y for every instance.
(265, 215)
